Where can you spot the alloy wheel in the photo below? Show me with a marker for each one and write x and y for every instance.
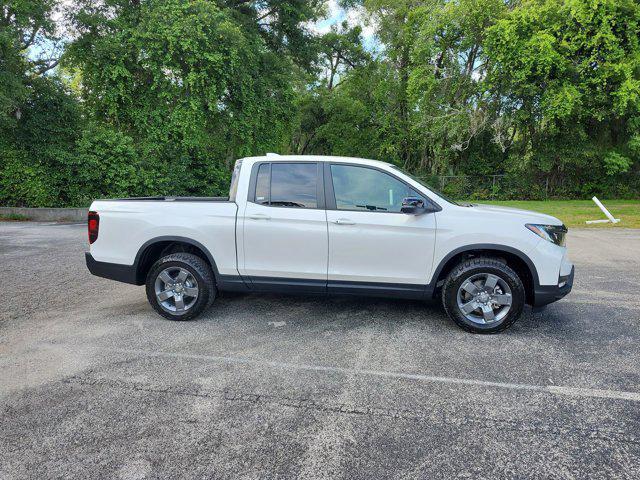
(484, 298)
(176, 290)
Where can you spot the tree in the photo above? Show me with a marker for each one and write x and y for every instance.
(338, 52)
(29, 48)
(195, 83)
(39, 120)
(447, 83)
(568, 72)
(164, 95)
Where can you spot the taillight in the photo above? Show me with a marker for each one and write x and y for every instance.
(93, 225)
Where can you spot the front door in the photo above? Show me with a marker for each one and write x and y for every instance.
(285, 240)
(371, 242)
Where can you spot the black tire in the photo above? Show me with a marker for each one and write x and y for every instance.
(200, 271)
(478, 266)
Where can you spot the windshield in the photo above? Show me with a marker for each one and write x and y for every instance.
(425, 185)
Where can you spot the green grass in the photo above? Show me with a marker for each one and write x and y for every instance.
(575, 212)
(13, 217)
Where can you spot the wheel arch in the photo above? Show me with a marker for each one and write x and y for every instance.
(154, 248)
(516, 259)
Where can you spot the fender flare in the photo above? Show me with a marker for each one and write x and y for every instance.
(486, 246)
(173, 238)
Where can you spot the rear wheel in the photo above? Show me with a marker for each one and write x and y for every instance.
(483, 295)
(180, 286)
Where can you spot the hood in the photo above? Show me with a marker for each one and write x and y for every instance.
(526, 215)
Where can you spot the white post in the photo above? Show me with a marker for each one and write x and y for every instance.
(605, 211)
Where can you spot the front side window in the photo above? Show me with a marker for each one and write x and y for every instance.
(362, 188)
(287, 185)
(426, 185)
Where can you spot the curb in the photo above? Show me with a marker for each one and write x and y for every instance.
(47, 214)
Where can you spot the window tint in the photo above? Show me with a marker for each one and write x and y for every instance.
(361, 188)
(262, 184)
(294, 185)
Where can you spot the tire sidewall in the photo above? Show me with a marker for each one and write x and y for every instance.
(204, 290)
(460, 275)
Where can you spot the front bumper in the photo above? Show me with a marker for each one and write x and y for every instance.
(546, 294)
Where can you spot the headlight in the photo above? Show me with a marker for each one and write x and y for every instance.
(553, 233)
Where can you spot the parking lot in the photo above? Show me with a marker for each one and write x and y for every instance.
(94, 384)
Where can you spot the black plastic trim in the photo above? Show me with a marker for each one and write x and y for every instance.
(543, 294)
(172, 238)
(168, 199)
(131, 273)
(336, 287)
(232, 283)
(378, 289)
(546, 294)
(288, 285)
(486, 246)
(112, 271)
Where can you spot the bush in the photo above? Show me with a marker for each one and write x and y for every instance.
(106, 165)
(25, 182)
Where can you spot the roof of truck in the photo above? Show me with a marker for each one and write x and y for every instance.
(272, 157)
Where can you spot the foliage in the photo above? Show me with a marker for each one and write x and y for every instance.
(160, 97)
(569, 74)
(14, 217)
(542, 91)
(195, 84)
(24, 24)
(106, 165)
(37, 152)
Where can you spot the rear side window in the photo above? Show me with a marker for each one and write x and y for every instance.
(235, 177)
(287, 185)
(262, 184)
(361, 188)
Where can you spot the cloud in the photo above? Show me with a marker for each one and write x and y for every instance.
(335, 14)
(358, 16)
(355, 16)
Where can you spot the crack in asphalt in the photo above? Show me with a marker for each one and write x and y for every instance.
(328, 406)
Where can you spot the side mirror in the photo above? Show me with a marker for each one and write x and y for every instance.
(413, 206)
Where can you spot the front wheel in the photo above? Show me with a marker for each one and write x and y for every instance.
(180, 286)
(483, 295)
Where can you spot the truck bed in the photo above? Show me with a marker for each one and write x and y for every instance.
(128, 224)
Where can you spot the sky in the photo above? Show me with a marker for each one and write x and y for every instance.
(354, 16)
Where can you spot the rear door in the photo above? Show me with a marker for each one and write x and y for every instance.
(285, 239)
(371, 243)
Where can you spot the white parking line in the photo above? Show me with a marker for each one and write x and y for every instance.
(550, 389)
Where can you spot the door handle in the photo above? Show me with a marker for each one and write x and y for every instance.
(259, 216)
(344, 221)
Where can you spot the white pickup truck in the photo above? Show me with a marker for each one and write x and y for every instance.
(332, 225)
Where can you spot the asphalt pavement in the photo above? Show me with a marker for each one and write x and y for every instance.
(94, 384)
